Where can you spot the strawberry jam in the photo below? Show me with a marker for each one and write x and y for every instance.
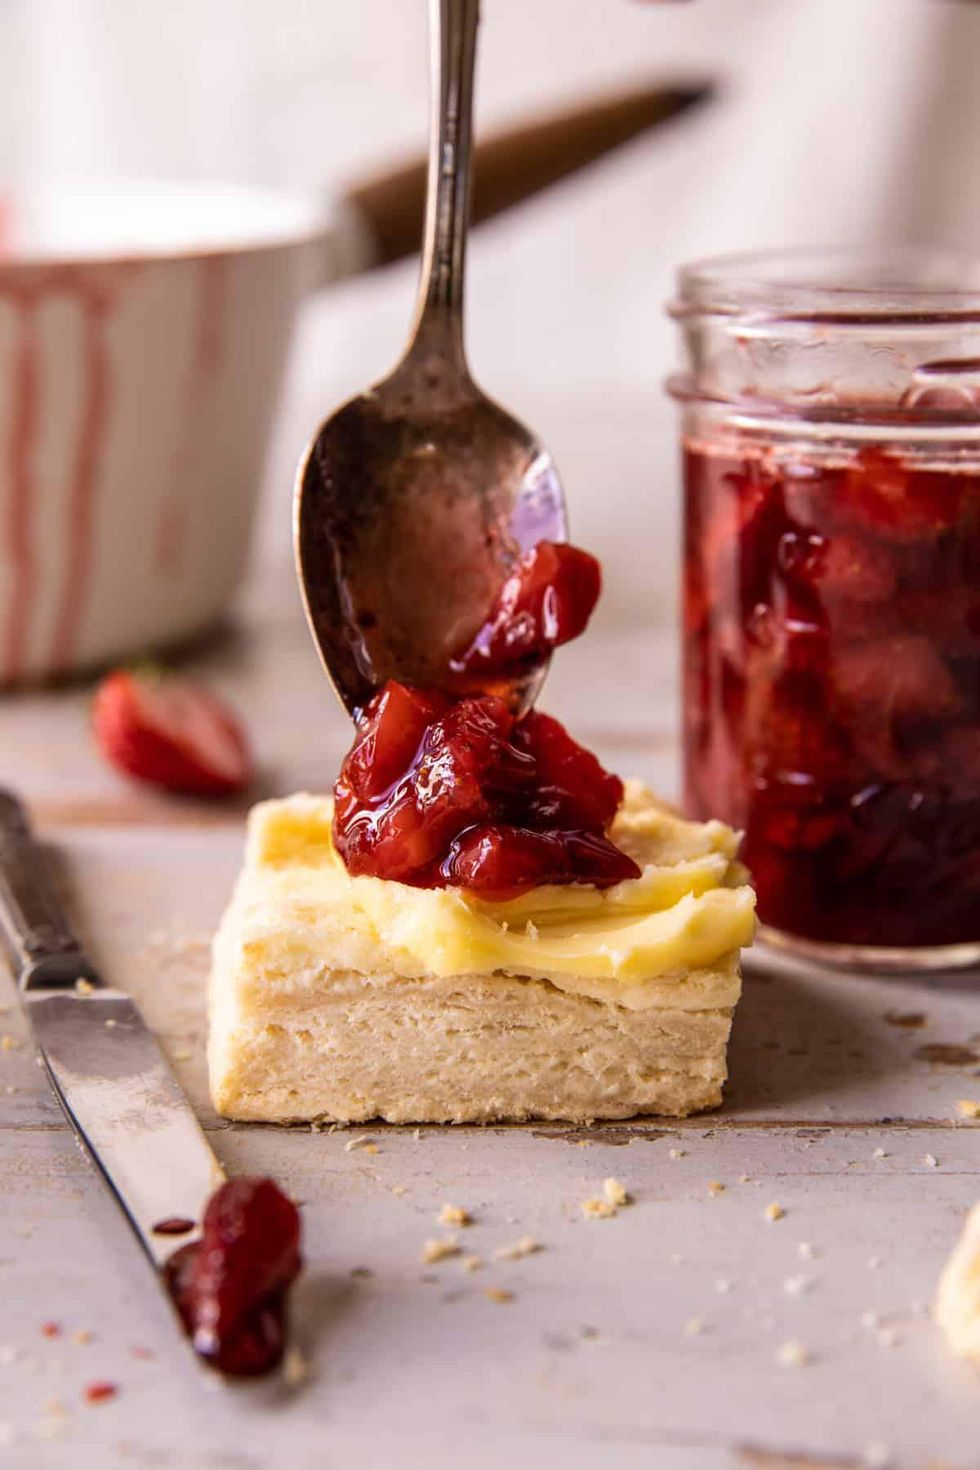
(455, 789)
(546, 601)
(439, 793)
(832, 686)
(230, 1287)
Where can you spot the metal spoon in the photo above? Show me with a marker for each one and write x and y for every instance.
(415, 499)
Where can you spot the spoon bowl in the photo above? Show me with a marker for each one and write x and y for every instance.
(415, 499)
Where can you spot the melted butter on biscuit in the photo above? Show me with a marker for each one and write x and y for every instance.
(644, 942)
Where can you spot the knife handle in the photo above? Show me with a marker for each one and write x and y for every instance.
(34, 930)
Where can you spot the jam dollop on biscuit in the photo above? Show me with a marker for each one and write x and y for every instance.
(439, 793)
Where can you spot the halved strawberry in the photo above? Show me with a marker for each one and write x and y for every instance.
(170, 732)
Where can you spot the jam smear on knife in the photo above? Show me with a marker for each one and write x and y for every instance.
(231, 1286)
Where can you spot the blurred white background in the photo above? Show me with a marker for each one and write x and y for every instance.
(839, 120)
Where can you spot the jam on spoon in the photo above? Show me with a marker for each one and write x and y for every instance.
(460, 792)
(230, 1287)
(547, 600)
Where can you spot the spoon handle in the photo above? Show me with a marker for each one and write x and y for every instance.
(439, 307)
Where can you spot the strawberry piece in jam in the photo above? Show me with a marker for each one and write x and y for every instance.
(901, 677)
(887, 498)
(230, 1287)
(477, 799)
(571, 788)
(547, 600)
(442, 786)
(501, 861)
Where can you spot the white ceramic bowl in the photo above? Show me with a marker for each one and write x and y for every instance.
(144, 329)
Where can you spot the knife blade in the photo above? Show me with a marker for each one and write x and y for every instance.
(103, 1062)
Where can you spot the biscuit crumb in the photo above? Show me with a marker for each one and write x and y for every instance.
(715, 1187)
(930, 1161)
(774, 1211)
(364, 1141)
(498, 1294)
(295, 1368)
(526, 1246)
(966, 1107)
(10, 1043)
(694, 1327)
(82, 1337)
(84, 987)
(744, 1179)
(454, 1215)
(598, 1209)
(911, 1020)
(879, 1153)
(792, 1354)
(797, 1285)
(472, 1263)
(615, 1192)
(51, 1427)
(399, 1189)
(677, 1153)
(438, 1250)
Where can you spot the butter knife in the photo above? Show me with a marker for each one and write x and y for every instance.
(103, 1062)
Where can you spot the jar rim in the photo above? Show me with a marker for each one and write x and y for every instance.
(849, 284)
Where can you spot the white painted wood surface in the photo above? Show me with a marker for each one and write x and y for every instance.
(594, 1358)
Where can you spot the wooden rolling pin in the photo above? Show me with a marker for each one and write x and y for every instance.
(519, 162)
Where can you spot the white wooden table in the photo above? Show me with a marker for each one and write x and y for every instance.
(650, 1339)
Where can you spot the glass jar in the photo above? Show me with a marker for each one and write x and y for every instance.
(830, 409)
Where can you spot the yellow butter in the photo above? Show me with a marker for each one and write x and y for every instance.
(957, 1307)
(689, 911)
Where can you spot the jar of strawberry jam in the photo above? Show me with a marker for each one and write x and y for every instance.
(830, 411)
